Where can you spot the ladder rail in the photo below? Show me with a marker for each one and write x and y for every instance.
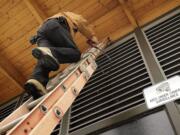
(22, 110)
(37, 118)
(52, 106)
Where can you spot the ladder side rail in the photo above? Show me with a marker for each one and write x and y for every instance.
(16, 114)
(38, 113)
(62, 106)
(47, 102)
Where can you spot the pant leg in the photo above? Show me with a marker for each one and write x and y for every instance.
(41, 73)
(62, 54)
(66, 55)
(59, 41)
(57, 34)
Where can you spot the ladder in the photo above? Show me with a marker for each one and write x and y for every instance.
(40, 117)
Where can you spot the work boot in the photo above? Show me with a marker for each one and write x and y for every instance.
(45, 55)
(35, 88)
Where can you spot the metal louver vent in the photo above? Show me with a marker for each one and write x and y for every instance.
(25, 97)
(115, 86)
(56, 130)
(164, 38)
(11, 106)
(8, 109)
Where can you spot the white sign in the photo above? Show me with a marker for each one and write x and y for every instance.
(163, 92)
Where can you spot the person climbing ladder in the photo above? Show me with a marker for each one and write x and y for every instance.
(55, 46)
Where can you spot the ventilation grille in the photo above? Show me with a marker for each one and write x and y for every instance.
(11, 106)
(56, 130)
(25, 97)
(8, 109)
(115, 86)
(165, 41)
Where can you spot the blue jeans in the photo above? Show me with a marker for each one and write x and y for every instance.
(55, 35)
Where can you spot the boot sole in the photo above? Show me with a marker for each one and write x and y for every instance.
(48, 60)
(32, 90)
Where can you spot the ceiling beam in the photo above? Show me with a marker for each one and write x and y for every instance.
(35, 10)
(128, 13)
(10, 71)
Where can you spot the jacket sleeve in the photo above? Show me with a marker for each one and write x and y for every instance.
(84, 28)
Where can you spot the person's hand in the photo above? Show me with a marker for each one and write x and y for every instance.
(93, 41)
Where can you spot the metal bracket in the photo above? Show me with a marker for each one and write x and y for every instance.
(77, 73)
(87, 54)
(71, 67)
(94, 51)
(63, 87)
(57, 112)
(85, 63)
(75, 91)
(86, 77)
(92, 61)
(63, 75)
(84, 70)
(43, 109)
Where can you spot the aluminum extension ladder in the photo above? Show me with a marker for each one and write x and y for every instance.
(40, 117)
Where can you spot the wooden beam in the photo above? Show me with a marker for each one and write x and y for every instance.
(158, 11)
(128, 13)
(10, 71)
(35, 10)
